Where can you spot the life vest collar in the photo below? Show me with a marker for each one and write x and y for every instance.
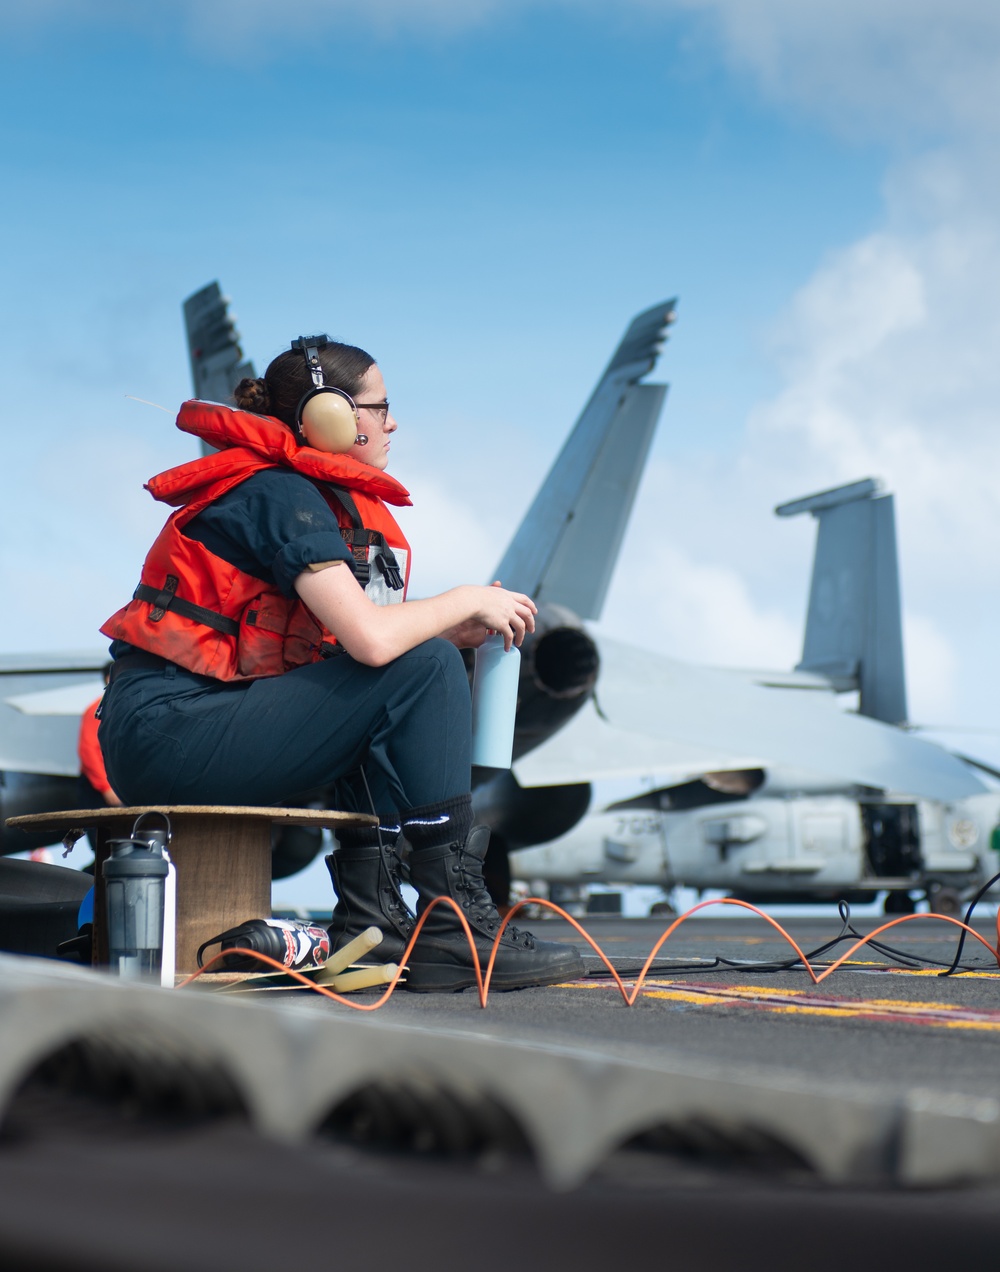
(243, 440)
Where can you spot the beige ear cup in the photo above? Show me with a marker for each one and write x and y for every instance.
(330, 423)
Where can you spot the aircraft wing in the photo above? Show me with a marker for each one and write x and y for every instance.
(810, 681)
(41, 700)
(590, 748)
(651, 712)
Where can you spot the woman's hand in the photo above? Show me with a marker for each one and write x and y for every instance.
(471, 633)
(467, 635)
(509, 614)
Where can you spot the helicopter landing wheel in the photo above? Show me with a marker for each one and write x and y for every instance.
(898, 903)
(944, 900)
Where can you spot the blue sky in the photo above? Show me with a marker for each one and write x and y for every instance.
(483, 197)
(525, 184)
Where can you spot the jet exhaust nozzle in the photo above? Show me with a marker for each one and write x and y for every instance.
(559, 668)
(559, 657)
(563, 662)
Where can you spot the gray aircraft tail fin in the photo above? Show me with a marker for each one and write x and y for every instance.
(854, 630)
(565, 550)
(217, 363)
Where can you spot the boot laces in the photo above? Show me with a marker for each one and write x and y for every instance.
(480, 904)
(398, 909)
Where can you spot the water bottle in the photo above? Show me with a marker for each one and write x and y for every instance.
(135, 879)
(494, 703)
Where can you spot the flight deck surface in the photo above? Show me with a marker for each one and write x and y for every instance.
(871, 1019)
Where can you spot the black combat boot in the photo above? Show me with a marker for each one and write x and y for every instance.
(366, 881)
(441, 961)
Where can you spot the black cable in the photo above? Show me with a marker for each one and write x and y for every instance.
(371, 805)
(720, 964)
(908, 960)
(899, 956)
(880, 947)
(847, 932)
(657, 967)
(955, 966)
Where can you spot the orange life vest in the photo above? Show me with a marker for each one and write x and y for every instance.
(195, 609)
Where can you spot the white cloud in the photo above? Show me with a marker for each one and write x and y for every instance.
(875, 68)
(452, 540)
(868, 293)
(701, 611)
(84, 555)
(932, 667)
(890, 358)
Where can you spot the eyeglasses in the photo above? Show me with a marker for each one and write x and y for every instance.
(380, 408)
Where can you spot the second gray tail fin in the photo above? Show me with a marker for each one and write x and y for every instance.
(217, 363)
(854, 630)
(565, 549)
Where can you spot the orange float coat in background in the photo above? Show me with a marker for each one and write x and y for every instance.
(89, 750)
(195, 609)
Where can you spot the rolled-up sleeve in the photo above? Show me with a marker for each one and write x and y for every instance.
(274, 526)
(301, 554)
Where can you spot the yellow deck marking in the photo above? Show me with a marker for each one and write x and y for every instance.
(812, 1003)
(922, 971)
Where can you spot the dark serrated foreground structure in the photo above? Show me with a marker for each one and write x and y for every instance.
(296, 1072)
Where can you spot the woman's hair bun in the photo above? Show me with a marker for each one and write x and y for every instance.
(252, 395)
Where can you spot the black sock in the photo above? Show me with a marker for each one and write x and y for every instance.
(368, 836)
(436, 824)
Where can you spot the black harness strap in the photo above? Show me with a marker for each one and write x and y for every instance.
(347, 503)
(359, 540)
(167, 599)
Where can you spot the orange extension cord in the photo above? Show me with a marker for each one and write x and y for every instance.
(629, 996)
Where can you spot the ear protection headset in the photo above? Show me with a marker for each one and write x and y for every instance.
(326, 417)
